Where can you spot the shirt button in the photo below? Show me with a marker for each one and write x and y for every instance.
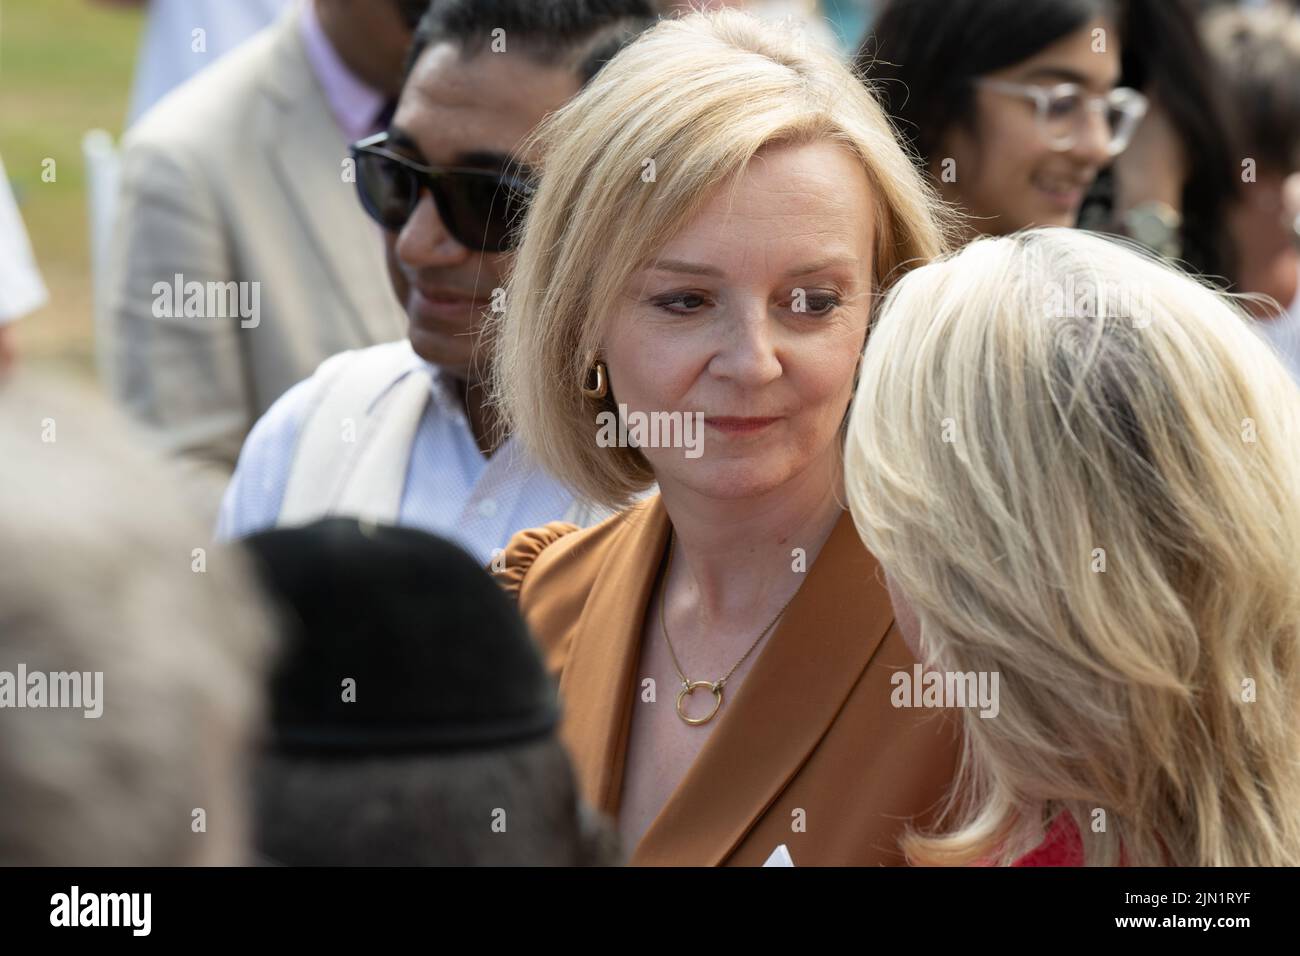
(487, 508)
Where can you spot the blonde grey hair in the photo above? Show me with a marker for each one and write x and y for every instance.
(101, 574)
(699, 97)
(1099, 500)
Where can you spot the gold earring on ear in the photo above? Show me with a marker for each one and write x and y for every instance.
(596, 370)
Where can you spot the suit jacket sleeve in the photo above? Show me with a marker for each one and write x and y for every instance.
(181, 378)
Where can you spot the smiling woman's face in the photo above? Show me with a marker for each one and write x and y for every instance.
(713, 324)
(1007, 175)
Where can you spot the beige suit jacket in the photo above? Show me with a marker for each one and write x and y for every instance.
(238, 176)
(809, 752)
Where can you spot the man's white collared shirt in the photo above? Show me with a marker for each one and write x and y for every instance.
(450, 489)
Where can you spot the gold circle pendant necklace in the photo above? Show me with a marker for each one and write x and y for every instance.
(689, 686)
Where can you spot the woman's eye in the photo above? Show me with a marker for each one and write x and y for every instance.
(681, 303)
(687, 303)
(1064, 105)
(814, 303)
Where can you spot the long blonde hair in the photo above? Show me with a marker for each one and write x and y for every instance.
(631, 160)
(1081, 468)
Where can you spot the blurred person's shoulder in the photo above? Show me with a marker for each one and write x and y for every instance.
(255, 494)
(371, 371)
(210, 112)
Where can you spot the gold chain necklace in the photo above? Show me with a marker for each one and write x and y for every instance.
(689, 686)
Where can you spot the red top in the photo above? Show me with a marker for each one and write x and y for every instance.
(1061, 847)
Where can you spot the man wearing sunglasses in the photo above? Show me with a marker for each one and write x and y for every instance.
(401, 433)
(241, 258)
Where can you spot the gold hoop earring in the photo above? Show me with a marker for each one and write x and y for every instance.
(601, 388)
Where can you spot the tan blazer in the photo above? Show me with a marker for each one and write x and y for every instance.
(238, 176)
(811, 727)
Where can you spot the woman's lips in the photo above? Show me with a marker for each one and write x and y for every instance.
(739, 426)
(1066, 197)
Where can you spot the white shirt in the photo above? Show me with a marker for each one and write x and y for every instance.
(171, 51)
(21, 288)
(450, 488)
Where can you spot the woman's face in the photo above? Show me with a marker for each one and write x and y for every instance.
(1004, 172)
(754, 315)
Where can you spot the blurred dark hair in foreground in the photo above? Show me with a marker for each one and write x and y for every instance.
(412, 722)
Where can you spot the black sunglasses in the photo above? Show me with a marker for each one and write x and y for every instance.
(478, 206)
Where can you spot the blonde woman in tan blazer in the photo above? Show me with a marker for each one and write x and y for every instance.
(716, 215)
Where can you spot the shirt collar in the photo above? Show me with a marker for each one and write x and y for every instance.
(443, 386)
(354, 104)
(446, 391)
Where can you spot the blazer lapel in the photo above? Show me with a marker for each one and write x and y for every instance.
(602, 658)
(307, 150)
(786, 703)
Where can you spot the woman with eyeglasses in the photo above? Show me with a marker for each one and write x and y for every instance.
(1012, 106)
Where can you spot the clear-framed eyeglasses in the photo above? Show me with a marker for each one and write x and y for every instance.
(1063, 111)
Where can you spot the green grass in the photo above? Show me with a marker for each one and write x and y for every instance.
(65, 67)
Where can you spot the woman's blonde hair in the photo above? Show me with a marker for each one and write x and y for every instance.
(629, 162)
(1080, 467)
